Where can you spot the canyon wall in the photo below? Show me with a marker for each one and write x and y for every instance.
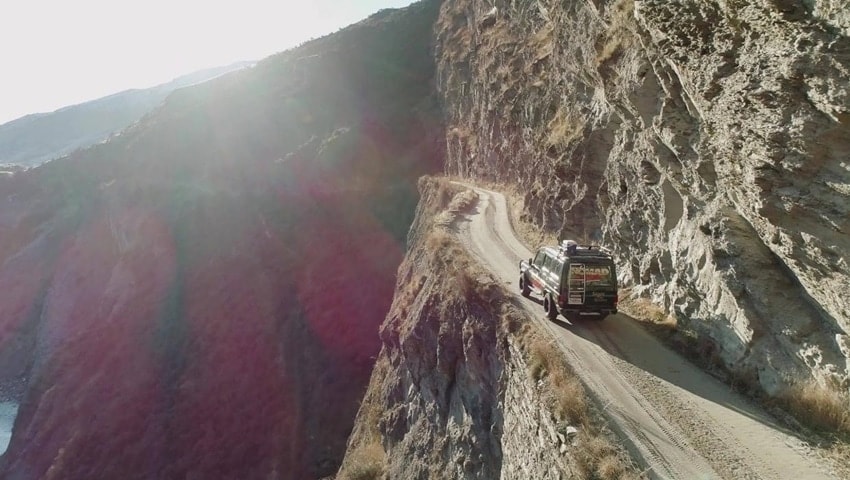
(707, 142)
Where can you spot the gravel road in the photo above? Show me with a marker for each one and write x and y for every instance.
(675, 418)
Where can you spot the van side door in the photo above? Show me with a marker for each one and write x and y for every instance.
(536, 274)
(554, 267)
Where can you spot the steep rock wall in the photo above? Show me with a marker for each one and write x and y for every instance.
(533, 444)
(435, 403)
(453, 395)
(707, 142)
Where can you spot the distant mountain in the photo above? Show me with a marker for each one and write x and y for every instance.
(37, 138)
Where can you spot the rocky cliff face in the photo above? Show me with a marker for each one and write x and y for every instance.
(200, 297)
(460, 389)
(708, 142)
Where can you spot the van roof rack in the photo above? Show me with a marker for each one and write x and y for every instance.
(572, 248)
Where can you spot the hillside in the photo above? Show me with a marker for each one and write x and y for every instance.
(199, 297)
(37, 138)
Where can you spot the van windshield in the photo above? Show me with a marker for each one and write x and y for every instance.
(593, 275)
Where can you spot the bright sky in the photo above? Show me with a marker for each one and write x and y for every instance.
(55, 53)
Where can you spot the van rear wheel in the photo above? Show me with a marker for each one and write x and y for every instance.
(551, 308)
(523, 287)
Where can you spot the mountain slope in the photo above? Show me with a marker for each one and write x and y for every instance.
(37, 138)
(199, 296)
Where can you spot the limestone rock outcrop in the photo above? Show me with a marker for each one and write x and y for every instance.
(707, 142)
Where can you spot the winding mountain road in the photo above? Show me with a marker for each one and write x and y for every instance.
(675, 418)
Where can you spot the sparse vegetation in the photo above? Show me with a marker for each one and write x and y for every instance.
(545, 361)
(367, 460)
(642, 309)
(610, 467)
(461, 202)
(620, 33)
(564, 128)
(825, 411)
(824, 408)
(447, 198)
(365, 463)
(596, 456)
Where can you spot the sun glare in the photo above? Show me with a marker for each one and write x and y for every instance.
(58, 53)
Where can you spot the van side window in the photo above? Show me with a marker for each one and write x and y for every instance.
(550, 264)
(538, 260)
(557, 268)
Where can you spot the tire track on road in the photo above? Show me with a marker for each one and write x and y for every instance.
(680, 421)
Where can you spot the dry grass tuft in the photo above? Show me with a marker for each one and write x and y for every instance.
(621, 32)
(447, 250)
(567, 399)
(824, 409)
(839, 454)
(570, 400)
(463, 201)
(367, 462)
(445, 190)
(469, 279)
(597, 458)
(451, 200)
(610, 468)
(827, 411)
(564, 128)
(644, 310)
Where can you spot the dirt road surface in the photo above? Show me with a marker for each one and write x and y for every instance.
(679, 421)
